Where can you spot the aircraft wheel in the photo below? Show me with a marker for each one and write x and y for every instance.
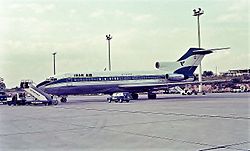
(63, 99)
(151, 96)
(135, 96)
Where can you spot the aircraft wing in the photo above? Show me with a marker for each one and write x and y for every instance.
(166, 85)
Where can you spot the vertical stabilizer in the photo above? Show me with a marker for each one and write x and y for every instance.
(188, 63)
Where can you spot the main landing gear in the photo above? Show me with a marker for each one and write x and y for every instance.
(135, 96)
(151, 95)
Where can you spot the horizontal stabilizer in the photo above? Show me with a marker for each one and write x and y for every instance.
(208, 51)
(215, 49)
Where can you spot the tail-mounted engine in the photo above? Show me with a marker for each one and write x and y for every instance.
(167, 66)
(179, 77)
(161, 65)
(175, 77)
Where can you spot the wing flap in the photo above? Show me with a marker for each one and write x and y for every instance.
(172, 84)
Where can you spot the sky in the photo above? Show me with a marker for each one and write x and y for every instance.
(143, 31)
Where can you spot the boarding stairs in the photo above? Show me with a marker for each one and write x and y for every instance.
(177, 88)
(183, 92)
(30, 88)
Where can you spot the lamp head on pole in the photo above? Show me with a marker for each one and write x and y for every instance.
(198, 12)
(109, 37)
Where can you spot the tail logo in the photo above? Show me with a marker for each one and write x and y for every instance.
(182, 63)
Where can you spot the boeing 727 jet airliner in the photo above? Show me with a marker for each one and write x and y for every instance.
(168, 74)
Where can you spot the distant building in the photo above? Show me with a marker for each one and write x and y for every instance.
(236, 72)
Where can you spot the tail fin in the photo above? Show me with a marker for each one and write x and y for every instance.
(188, 63)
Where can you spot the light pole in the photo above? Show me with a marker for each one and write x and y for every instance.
(198, 13)
(109, 38)
(54, 62)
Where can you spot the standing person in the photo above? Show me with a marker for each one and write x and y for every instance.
(14, 99)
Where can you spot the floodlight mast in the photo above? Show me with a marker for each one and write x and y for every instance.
(109, 37)
(54, 62)
(198, 13)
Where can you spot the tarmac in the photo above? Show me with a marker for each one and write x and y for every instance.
(170, 123)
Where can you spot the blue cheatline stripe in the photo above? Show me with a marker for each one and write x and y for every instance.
(114, 78)
(187, 71)
(189, 53)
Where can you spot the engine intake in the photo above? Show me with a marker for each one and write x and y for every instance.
(157, 65)
(161, 65)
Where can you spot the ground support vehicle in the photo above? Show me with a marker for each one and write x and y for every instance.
(119, 97)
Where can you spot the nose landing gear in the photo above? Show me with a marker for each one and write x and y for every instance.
(64, 99)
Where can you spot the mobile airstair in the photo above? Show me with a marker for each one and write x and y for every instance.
(38, 95)
(183, 92)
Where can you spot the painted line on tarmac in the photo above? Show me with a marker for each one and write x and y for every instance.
(162, 113)
(229, 146)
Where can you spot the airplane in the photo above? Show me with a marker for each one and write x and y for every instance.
(166, 75)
